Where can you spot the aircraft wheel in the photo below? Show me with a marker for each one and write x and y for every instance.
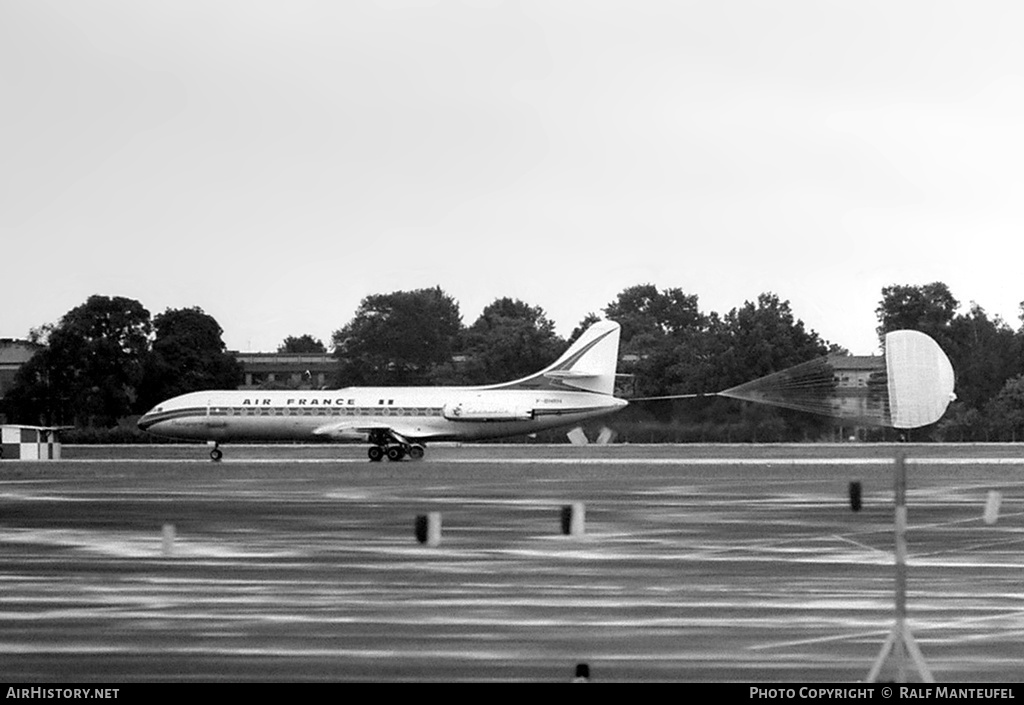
(416, 452)
(375, 453)
(396, 453)
(216, 455)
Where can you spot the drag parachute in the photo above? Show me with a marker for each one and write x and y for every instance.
(909, 386)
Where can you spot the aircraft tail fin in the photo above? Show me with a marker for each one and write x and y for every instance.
(587, 366)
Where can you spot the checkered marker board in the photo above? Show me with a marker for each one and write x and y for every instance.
(28, 443)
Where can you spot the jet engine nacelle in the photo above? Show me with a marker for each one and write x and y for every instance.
(483, 410)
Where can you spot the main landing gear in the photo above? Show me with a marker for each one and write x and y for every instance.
(385, 444)
(215, 452)
(396, 451)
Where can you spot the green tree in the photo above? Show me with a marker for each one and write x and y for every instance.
(35, 396)
(188, 355)
(984, 354)
(588, 320)
(302, 344)
(648, 314)
(755, 340)
(929, 308)
(961, 423)
(661, 330)
(510, 339)
(90, 370)
(697, 363)
(398, 338)
(41, 334)
(765, 337)
(1006, 411)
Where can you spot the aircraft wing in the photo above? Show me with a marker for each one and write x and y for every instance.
(41, 428)
(350, 430)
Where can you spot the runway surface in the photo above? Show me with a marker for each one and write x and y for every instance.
(698, 563)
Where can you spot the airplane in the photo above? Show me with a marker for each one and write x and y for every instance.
(399, 421)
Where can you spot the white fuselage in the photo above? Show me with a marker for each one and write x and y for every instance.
(418, 413)
(397, 421)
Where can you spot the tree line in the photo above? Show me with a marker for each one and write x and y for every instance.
(108, 360)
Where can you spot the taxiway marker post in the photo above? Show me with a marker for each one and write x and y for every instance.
(574, 519)
(168, 540)
(434, 528)
(991, 515)
(855, 496)
(900, 643)
(582, 674)
(428, 528)
(900, 524)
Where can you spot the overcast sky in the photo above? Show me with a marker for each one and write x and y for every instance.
(275, 162)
